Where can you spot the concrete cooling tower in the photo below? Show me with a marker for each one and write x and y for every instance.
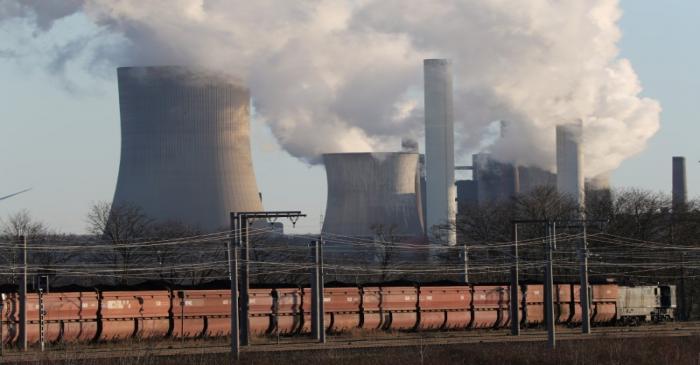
(371, 193)
(185, 150)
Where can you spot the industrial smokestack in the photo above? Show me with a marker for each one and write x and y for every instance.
(185, 150)
(570, 179)
(373, 193)
(680, 188)
(439, 150)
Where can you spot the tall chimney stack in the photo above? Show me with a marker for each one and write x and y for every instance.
(570, 179)
(680, 188)
(439, 150)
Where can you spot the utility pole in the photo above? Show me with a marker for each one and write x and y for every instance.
(321, 301)
(681, 284)
(465, 254)
(233, 275)
(549, 284)
(23, 297)
(244, 219)
(314, 292)
(682, 288)
(584, 295)
(550, 245)
(514, 305)
(181, 295)
(42, 313)
(245, 279)
(2, 341)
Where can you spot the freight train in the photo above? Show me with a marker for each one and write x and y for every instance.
(119, 315)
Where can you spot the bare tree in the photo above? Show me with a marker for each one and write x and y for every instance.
(545, 203)
(640, 214)
(121, 225)
(166, 256)
(22, 224)
(385, 255)
(16, 225)
(489, 225)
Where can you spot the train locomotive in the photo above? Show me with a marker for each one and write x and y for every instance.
(118, 315)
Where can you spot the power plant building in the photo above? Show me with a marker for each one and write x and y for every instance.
(185, 148)
(439, 151)
(371, 194)
(495, 181)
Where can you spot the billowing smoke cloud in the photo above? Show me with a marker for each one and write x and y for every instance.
(345, 75)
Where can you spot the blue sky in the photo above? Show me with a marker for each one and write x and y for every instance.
(62, 138)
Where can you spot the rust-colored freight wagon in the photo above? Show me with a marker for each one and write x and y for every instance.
(563, 303)
(201, 313)
(370, 308)
(119, 312)
(10, 318)
(342, 308)
(260, 311)
(533, 310)
(118, 315)
(489, 303)
(289, 310)
(68, 317)
(445, 307)
(604, 303)
(577, 311)
(154, 314)
(399, 307)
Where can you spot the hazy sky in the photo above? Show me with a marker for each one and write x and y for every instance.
(60, 135)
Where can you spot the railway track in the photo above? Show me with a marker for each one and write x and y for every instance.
(295, 344)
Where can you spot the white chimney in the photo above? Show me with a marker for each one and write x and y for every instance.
(570, 179)
(439, 150)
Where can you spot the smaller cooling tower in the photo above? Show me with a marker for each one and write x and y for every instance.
(373, 193)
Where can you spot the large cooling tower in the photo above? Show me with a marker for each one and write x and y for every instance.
(570, 179)
(185, 152)
(439, 150)
(373, 193)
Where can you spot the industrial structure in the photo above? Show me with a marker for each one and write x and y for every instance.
(496, 181)
(680, 188)
(439, 151)
(371, 194)
(570, 178)
(185, 149)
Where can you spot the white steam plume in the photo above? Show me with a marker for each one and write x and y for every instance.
(338, 75)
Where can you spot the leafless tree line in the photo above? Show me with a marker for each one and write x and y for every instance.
(117, 250)
(645, 240)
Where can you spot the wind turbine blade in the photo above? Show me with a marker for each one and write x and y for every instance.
(17, 193)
